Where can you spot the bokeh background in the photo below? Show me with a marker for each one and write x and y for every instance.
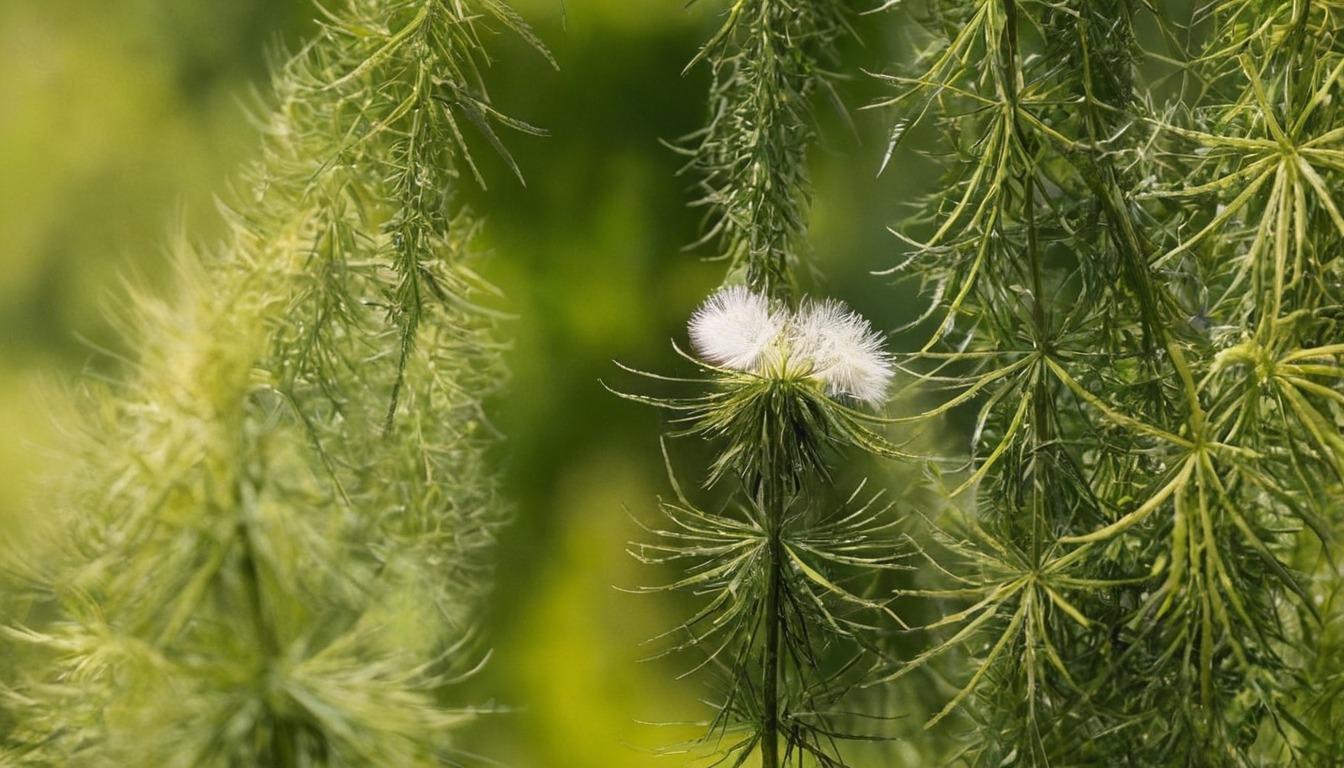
(121, 120)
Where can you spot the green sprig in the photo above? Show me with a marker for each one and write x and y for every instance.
(279, 541)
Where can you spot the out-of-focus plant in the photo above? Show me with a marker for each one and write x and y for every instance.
(1135, 267)
(275, 545)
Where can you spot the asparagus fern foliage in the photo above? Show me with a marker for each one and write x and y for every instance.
(785, 392)
(767, 62)
(278, 542)
(1136, 277)
(774, 562)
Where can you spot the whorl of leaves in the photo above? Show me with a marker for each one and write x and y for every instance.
(782, 574)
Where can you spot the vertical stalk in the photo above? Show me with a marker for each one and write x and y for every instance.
(770, 668)
(771, 489)
(1042, 398)
(280, 750)
(1040, 394)
(767, 243)
(765, 65)
(1132, 247)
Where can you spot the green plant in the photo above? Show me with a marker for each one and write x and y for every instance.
(276, 548)
(1136, 259)
(790, 384)
(785, 632)
(1134, 269)
(767, 62)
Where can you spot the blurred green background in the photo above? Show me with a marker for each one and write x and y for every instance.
(120, 120)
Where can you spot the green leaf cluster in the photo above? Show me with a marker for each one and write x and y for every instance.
(785, 618)
(1135, 277)
(276, 550)
(768, 60)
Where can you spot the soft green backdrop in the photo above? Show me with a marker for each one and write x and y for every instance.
(120, 120)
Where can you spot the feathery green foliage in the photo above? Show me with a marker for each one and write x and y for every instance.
(767, 61)
(1135, 270)
(784, 620)
(277, 544)
(274, 548)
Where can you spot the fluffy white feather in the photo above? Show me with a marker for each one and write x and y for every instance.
(737, 328)
(844, 351)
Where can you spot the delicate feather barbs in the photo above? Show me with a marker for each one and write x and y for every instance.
(742, 330)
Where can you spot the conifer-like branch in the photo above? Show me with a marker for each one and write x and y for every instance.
(279, 541)
(773, 566)
(777, 408)
(1126, 286)
(768, 61)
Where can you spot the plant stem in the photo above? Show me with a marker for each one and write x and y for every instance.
(1040, 394)
(281, 748)
(772, 505)
(770, 672)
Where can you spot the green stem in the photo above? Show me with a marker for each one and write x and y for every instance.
(253, 577)
(1132, 248)
(767, 243)
(771, 492)
(770, 671)
(279, 751)
(772, 488)
(1041, 395)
